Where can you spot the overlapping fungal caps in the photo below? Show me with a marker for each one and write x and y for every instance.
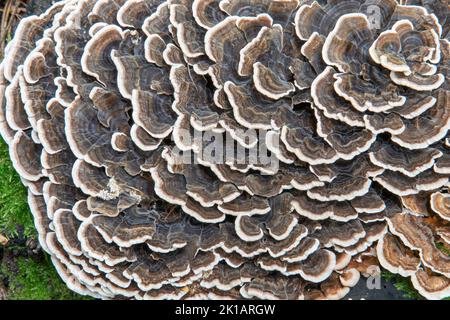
(350, 98)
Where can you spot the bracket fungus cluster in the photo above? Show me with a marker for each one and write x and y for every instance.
(101, 100)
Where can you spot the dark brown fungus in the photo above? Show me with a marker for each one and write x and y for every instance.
(116, 113)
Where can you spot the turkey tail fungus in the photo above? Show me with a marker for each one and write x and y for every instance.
(110, 109)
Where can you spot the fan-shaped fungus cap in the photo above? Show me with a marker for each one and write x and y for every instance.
(142, 130)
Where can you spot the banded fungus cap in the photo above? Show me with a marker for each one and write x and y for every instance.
(143, 129)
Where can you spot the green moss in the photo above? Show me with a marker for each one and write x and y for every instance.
(37, 280)
(31, 279)
(402, 284)
(14, 211)
(441, 247)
